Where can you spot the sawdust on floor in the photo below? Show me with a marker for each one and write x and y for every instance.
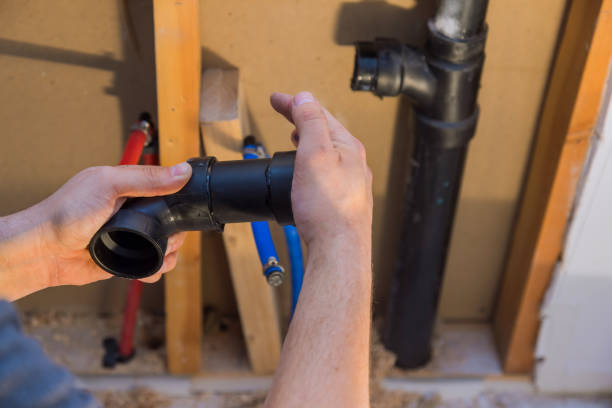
(74, 340)
(71, 339)
(381, 362)
(136, 398)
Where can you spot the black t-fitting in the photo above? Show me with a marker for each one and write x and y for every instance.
(442, 80)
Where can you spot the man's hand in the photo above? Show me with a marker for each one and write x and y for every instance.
(46, 245)
(325, 356)
(332, 183)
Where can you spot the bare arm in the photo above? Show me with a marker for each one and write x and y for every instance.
(325, 357)
(46, 244)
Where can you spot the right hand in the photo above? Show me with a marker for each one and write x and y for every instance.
(332, 183)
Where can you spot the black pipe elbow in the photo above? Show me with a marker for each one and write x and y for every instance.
(132, 244)
(388, 68)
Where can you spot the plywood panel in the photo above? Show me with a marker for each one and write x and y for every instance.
(294, 46)
(286, 46)
(70, 88)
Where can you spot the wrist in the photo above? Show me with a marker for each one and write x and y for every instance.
(346, 246)
(341, 234)
(23, 266)
(346, 238)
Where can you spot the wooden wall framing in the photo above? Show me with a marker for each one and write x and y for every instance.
(569, 116)
(178, 69)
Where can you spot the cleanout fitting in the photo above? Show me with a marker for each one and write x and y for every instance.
(133, 242)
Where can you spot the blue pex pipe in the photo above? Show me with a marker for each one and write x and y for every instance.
(249, 152)
(297, 263)
(265, 246)
(261, 231)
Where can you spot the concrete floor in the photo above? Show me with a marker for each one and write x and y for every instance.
(464, 372)
(235, 392)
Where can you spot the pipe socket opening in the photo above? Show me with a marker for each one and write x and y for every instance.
(365, 71)
(127, 253)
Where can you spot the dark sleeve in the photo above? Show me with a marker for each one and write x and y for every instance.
(27, 377)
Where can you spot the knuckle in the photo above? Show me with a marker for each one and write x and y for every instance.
(97, 172)
(152, 175)
(172, 245)
(171, 263)
(310, 113)
(316, 158)
(152, 279)
(104, 171)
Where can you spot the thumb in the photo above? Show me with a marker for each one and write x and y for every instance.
(147, 181)
(311, 124)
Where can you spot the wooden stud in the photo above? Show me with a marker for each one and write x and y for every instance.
(569, 116)
(222, 133)
(178, 68)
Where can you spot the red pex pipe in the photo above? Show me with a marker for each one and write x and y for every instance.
(134, 147)
(151, 159)
(126, 343)
(131, 155)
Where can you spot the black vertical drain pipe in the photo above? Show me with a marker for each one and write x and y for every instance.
(442, 83)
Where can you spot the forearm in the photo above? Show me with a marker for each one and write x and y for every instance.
(22, 271)
(325, 357)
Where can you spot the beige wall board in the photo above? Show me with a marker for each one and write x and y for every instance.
(293, 46)
(71, 85)
(519, 53)
(283, 46)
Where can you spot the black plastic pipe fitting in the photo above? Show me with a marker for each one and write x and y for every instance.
(132, 244)
(442, 82)
(386, 67)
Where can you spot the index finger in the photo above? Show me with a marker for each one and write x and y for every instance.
(282, 103)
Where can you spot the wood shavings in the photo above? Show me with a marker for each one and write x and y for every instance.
(136, 398)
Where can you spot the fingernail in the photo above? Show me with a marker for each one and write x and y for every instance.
(303, 97)
(180, 169)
